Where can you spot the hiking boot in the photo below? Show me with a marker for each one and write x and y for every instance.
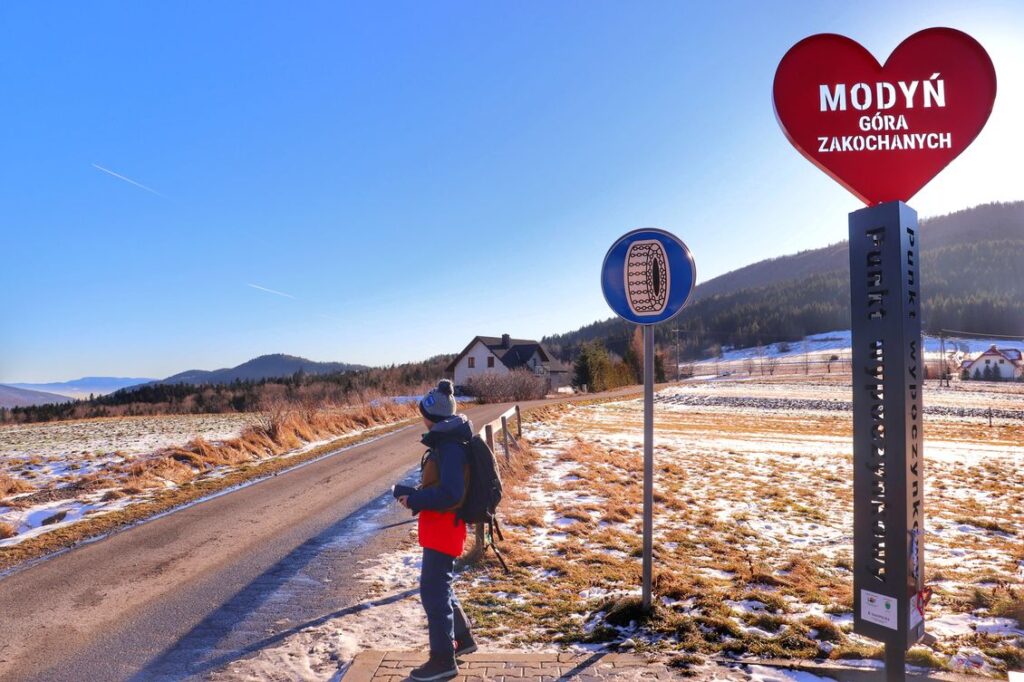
(465, 645)
(435, 669)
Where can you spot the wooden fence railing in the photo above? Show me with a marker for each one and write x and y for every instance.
(487, 432)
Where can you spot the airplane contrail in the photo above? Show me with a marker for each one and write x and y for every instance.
(270, 291)
(121, 177)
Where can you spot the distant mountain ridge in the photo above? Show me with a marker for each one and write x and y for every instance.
(275, 366)
(997, 221)
(11, 396)
(86, 386)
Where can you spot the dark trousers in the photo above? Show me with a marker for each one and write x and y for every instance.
(446, 620)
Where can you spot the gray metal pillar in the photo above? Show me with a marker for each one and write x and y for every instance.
(648, 464)
(888, 374)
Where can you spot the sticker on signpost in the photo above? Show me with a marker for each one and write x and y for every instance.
(879, 609)
(648, 276)
(915, 617)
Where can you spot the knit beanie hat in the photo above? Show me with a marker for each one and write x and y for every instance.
(439, 403)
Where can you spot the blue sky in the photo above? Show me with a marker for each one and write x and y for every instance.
(409, 174)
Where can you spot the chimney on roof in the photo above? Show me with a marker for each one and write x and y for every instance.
(506, 341)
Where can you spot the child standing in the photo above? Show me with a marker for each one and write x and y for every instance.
(444, 478)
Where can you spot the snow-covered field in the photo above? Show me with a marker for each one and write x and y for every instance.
(46, 459)
(839, 342)
(55, 474)
(63, 440)
(753, 530)
(752, 535)
(829, 352)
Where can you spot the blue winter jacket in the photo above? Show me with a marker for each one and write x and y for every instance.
(446, 440)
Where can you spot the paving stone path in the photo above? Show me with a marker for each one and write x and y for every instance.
(395, 666)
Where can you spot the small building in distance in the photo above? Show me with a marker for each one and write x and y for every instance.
(500, 355)
(995, 364)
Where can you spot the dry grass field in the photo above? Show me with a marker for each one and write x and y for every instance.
(62, 481)
(753, 529)
(753, 539)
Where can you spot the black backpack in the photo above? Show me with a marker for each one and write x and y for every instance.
(483, 494)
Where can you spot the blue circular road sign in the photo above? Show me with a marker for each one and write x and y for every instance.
(648, 276)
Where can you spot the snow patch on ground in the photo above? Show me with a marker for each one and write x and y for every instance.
(839, 342)
(783, 473)
(32, 519)
(389, 618)
(797, 457)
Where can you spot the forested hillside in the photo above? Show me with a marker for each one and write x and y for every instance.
(349, 387)
(264, 367)
(970, 274)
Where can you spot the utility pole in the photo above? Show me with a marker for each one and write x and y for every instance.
(677, 355)
(943, 368)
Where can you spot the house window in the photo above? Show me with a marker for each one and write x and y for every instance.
(490, 361)
(472, 361)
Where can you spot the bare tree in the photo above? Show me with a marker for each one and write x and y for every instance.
(273, 413)
(832, 358)
(519, 384)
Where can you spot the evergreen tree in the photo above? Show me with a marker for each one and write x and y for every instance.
(633, 359)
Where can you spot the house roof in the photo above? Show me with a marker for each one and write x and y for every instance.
(1011, 354)
(516, 354)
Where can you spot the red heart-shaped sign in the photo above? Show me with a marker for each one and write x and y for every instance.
(884, 131)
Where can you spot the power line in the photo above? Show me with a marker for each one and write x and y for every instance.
(982, 335)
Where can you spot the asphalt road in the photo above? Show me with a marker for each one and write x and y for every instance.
(185, 593)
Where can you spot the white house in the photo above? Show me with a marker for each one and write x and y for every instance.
(491, 354)
(1003, 364)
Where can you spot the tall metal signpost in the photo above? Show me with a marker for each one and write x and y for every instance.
(647, 278)
(884, 131)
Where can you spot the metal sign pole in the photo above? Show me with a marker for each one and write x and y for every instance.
(647, 277)
(887, 359)
(648, 463)
(888, 457)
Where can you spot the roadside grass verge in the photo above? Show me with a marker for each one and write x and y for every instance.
(752, 541)
(176, 476)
